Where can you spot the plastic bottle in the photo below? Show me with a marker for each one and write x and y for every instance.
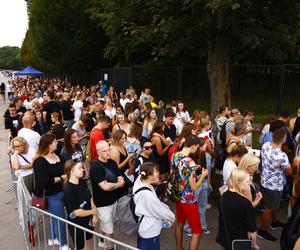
(72, 215)
(166, 225)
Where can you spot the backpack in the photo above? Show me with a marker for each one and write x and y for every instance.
(223, 134)
(125, 213)
(173, 189)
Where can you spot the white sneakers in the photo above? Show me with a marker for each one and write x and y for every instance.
(65, 247)
(53, 242)
(56, 242)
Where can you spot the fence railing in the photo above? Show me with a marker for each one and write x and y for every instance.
(261, 88)
(36, 222)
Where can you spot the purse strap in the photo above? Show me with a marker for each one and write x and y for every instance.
(225, 222)
(23, 157)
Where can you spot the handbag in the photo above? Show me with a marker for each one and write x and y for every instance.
(237, 244)
(40, 202)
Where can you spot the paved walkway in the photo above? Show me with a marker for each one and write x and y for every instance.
(12, 236)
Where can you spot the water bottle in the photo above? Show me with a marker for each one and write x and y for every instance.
(166, 225)
(72, 215)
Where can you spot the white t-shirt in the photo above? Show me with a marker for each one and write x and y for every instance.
(77, 105)
(29, 156)
(8, 88)
(178, 126)
(124, 101)
(32, 137)
(229, 165)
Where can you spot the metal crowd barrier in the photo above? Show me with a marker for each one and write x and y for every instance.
(35, 223)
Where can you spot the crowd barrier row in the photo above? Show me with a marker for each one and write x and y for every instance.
(35, 223)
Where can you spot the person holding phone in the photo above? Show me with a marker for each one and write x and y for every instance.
(80, 206)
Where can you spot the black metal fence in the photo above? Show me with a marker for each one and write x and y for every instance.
(261, 88)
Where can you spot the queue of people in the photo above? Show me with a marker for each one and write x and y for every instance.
(66, 138)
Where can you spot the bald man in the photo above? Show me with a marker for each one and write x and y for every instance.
(32, 137)
(106, 179)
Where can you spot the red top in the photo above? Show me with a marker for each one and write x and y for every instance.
(95, 136)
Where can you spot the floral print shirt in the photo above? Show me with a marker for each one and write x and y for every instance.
(186, 168)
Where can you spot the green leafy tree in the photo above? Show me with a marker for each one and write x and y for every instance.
(62, 37)
(193, 31)
(10, 58)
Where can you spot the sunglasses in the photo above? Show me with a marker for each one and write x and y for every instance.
(148, 147)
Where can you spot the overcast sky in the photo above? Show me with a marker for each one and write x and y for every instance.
(13, 22)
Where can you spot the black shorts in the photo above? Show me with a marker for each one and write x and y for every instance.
(272, 198)
(80, 236)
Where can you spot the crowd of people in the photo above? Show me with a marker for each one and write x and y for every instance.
(83, 148)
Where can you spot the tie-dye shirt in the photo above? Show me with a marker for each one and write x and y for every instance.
(186, 168)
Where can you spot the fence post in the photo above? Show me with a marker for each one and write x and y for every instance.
(179, 81)
(281, 89)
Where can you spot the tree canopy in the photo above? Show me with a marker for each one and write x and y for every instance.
(196, 31)
(67, 35)
(10, 58)
(62, 37)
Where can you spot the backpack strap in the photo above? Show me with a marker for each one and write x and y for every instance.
(141, 189)
(137, 191)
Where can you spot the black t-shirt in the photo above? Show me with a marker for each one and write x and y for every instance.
(77, 196)
(44, 173)
(50, 108)
(170, 132)
(66, 107)
(13, 123)
(74, 154)
(20, 111)
(240, 218)
(101, 171)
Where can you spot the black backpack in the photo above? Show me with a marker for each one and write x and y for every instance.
(223, 134)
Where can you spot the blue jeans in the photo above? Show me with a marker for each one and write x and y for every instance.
(209, 163)
(148, 244)
(57, 229)
(202, 196)
(69, 123)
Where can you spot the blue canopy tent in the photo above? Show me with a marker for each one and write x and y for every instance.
(29, 71)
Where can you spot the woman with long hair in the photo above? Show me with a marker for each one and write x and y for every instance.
(182, 114)
(121, 124)
(249, 163)
(80, 206)
(49, 178)
(153, 212)
(81, 127)
(134, 138)
(21, 160)
(265, 127)
(160, 151)
(73, 151)
(39, 125)
(237, 217)
(119, 154)
(149, 121)
(109, 107)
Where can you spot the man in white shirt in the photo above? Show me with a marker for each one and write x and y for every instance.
(123, 99)
(32, 137)
(78, 106)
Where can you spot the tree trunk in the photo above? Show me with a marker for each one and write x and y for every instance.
(218, 71)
